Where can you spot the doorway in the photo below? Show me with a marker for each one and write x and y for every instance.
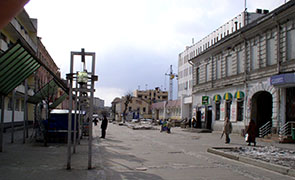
(209, 118)
(261, 109)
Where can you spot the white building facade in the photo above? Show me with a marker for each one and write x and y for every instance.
(248, 74)
(185, 68)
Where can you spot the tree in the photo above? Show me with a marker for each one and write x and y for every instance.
(127, 99)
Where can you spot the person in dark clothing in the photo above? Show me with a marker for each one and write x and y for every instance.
(227, 129)
(251, 130)
(95, 121)
(104, 125)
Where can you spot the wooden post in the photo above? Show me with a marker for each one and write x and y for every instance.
(25, 112)
(2, 123)
(75, 120)
(12, 116)
(70, 78)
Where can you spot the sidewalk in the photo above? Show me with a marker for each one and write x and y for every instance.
(34, 161)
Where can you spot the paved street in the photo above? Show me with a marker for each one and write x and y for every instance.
(131, 154)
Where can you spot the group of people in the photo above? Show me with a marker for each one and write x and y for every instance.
(104, 125)
(250, 132)
(166, 125)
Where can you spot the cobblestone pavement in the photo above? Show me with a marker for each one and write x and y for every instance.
(131, 154)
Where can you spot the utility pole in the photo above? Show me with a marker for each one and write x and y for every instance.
(171, 77)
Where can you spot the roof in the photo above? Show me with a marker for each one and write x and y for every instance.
(173, 104)
(159, 105)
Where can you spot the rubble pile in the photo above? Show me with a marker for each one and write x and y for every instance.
(271, 154)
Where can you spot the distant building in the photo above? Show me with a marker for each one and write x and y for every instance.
(152, 95)
(137, 109)
(166, 110)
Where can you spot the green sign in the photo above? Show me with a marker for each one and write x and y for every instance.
(205, 100)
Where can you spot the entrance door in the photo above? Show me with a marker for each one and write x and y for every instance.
(199, 117)
(209, 118)
(261, 111)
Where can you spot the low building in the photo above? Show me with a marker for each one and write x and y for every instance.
(167, 110)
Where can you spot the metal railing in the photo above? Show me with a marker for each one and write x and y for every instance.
(285, 130)
(265, 129)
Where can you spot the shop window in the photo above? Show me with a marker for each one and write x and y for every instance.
(217, 111)
(240, 110)
(228, 109)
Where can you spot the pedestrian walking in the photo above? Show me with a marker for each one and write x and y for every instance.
(251, 131)
(227, 129)
(169, 125)
(104, 125)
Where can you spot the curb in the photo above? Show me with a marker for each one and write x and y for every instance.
(254, 162)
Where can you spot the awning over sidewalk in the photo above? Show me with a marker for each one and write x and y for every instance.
(16, 65)
(58, 101)
(47, 90)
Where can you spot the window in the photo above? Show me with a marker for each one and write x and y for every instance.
(130, 108)
(240, 63)
(270, 51)
(218, 68)
(217, 111)
(291, 44)
(9, 108)
(22, 105)
(197, 75)
(228, 109)
(240, 110)
(16, 107)
(207, 72)
(143, 109)
(254, 57)
(229, 70)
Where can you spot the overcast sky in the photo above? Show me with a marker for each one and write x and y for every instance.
(135, 41)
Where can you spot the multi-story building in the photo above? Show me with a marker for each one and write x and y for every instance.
(185, 75)
(248, 74)
(24, 29)
(26, 67)
(152, 95)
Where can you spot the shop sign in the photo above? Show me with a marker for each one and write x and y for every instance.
(205, 100)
